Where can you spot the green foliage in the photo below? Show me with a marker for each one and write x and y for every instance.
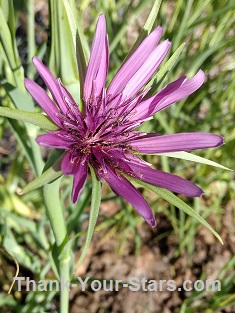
(95, 206)
(219, 299)
(202, 34)
(177, 202)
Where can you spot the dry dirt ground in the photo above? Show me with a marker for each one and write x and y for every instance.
(155, 261)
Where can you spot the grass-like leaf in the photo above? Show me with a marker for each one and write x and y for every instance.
(50, 173)
(29, 117)
(180, 204)
(5, 39)
(62, 60)
(161, 74)
(147, 26)
(194, 158)
(81, 61)
(95, 205)
(26, 136)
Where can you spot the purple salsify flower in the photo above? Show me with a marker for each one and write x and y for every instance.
(104, 135)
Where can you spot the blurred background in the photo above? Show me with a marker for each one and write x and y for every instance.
(123, 245)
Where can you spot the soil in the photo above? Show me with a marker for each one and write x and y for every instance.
(156, 261)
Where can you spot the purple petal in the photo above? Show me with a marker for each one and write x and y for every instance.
(103, 68)
(146, 71)
(172, 93)
(79, 180)
(124, 188)
(133, 64)
(77, 166)
(51, 83)
(56, 139)
(177, 142)
(41, 97)
(69, 164)
(146, 107)
(138, 168)
(98, 63)
(73, 110)
(165, 180)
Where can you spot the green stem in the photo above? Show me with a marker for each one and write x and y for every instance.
(65, 276)
(58, 225)
(30, 33)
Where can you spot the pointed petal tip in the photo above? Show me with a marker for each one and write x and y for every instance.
(102, 16)
(158, 31)
(202, 193)
(217, 141)
(41, 67)
(200, 75)
(27, 82)
(201, 72)
(159, 28)
(222, 140)
(166, 42)
(30, 85)
(36, 61)
(152, 222)
(37, 139)
(197, 192)
(101, 19)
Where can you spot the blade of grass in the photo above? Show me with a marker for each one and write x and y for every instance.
(37, 119)
(95, 205)
(148, 26)
(180, 204)
(194, 158)
(50, 173)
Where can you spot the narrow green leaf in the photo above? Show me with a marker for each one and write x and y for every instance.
(68, 247)
(27, 135)
(29, 117)
(55, 157)
(8, 11)
(47, 177)
(55, 213)
(215, 13)
(95, 205)
(147, 26)
(9, 48)
(5, 38)
(81, 61)
(51, 172)
(30, 34)
(194, 158)
(21, 254)
(62, 56)
(21, 100)
(202, 57)
(16, 264)
(180, 204)
(161, 74)
(170, 63)
(135, 11)
(71, 20)
(27, 146)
